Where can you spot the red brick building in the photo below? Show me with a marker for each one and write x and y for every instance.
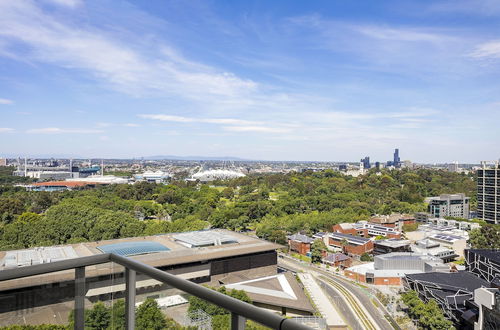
(337, 260)
(300, 243)
(352, 245)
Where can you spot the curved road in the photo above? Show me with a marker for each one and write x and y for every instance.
(334, 285)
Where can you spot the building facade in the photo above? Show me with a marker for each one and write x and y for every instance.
(488, 193)
(449, 205)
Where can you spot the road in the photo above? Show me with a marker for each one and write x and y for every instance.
(362, 313)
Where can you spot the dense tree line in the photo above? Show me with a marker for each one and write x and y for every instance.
(428, 315)
(274, 205)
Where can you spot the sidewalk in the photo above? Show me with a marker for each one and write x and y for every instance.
(324, 305)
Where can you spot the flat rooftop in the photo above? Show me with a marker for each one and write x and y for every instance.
(166, 251)
(392, 242)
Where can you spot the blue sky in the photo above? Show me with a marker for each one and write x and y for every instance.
(274, 80)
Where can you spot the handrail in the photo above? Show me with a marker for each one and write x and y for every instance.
(235, 306)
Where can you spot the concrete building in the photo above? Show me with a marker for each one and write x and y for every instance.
(488, 302)
(390, 245)
(366, 229)
(394, 220)
(488, 193)
(433, 248)
(208, 256)
(373, 230)
(3, 162)
(449, 205)
(462, 225)
(389, 269)
(446, 236)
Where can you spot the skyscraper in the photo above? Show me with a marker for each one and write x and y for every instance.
(397, 161)
(366, 162)
(488, 193)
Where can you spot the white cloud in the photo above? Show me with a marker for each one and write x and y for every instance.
(57, 130)
(99, 53)
(489, 49)
(131, 125)
(6, 130)
(66, 3)
(181, 119)
(261, 129)
(399, 34)
(6, 101)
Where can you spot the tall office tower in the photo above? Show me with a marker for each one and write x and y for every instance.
(366, 162)
(488, 193)
(396, 162)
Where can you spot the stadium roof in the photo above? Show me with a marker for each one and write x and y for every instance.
(203, 238)
(133, 248)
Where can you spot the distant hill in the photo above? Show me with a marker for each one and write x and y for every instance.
(172, 157)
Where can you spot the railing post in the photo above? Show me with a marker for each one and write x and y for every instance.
(130, 276)
(238, 322)
(79, 298)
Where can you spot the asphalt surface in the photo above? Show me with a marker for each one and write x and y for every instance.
(346, 312)
(365, 300)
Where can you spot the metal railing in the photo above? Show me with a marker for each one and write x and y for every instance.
(240, 311)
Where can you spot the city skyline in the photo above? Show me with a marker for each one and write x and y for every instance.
(323, 81)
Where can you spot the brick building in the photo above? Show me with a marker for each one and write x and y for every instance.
(300, 243)
(352, 245)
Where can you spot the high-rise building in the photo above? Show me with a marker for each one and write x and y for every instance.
(3, 162)
(396, 161)
(366, 162)
(488, 193)
(454, 205)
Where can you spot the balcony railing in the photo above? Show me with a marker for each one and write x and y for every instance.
(240, 311)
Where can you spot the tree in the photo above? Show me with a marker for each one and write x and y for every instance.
(148, 316)
(98, 317)
(366, 257)
(318, 247)
(410, 227)
(486, 237)
(428, 315)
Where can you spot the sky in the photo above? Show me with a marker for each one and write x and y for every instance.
(331, 80)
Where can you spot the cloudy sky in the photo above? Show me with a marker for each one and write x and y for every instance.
(275, 80)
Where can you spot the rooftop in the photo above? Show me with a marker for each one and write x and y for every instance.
(301, 238)
(392, 242)
(493, 255)
(278, 290)
(204, 238)
(177, 253)
(350, 238)
(127, 249)
(460, 280)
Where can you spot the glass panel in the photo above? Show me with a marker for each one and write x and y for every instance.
(41, 299)
(104, 297)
